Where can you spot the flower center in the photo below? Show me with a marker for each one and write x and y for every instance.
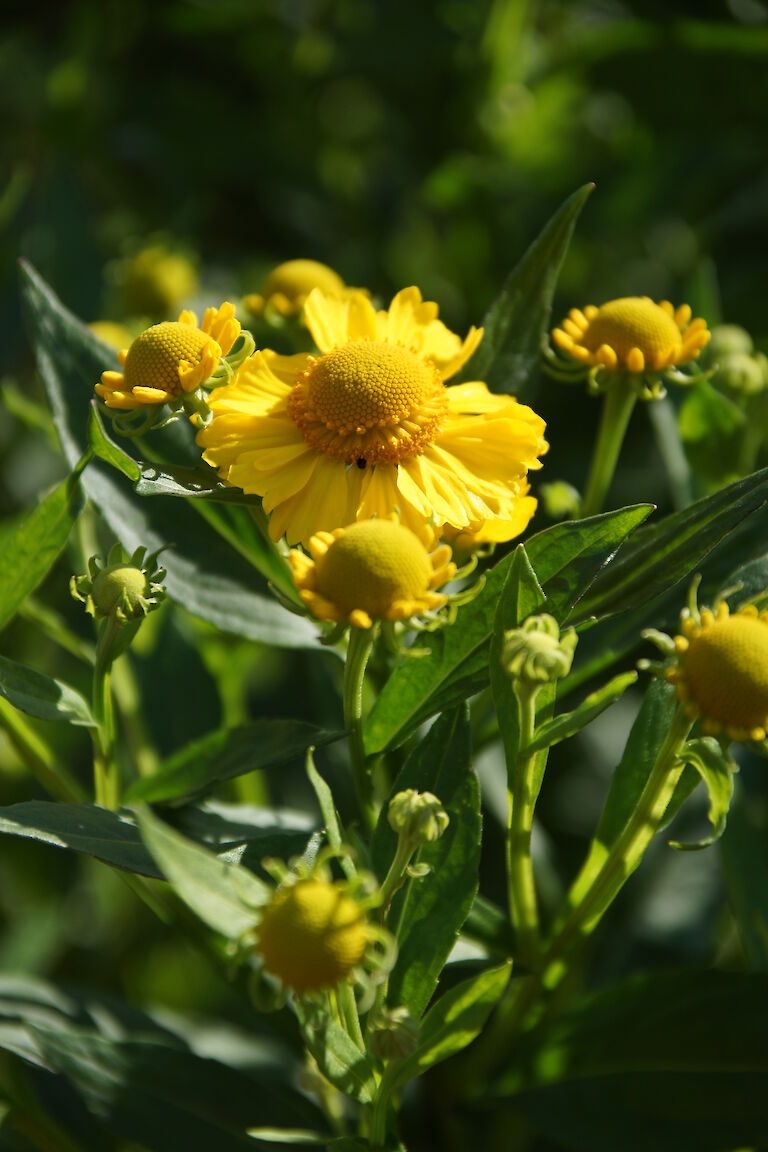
(368, 401)
(374, 564)
(297, 278)
(633, 322)
(312, 935)
(726, 671)
(153, 358)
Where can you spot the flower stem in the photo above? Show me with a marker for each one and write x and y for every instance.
(44, 766)
(105, 781)
(521, 889)
(358, 651)
(617, 408)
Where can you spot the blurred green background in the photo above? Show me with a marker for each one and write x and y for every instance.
(401, 143)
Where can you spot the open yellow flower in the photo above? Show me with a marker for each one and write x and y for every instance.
(312, 935)
(287, 287)
(721, 670)
(632, 335)
(170, 359)
(368, 427)
(372, 570)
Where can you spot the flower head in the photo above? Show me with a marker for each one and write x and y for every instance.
(537, 653)
(170, 359)
(721, 670)
(368, 428)
(631, 336)
(125, 588)
(154, 281)
(287, 287)
(312, 934)
(372, 570)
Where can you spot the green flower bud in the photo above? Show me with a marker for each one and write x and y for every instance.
(122, 589)
(536, 653)
(395, 1035)
(728, 339)
(418, 817)
(740, 372)
(561, 500)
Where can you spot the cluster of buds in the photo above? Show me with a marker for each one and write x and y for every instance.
(740, 369)
(417, 817)
(537, 653)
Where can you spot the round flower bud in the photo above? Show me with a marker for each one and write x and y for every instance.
(312, 935)
(124, 588)
(561, 500)
(728, 339)
(417, 816)
(741, 372)
(395, 1035)
(536, 653)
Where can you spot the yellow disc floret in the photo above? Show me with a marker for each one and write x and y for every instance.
(722, 671)
(170, 358)
(632, 334)
(368, 401)
(372, 570)
(312, 935)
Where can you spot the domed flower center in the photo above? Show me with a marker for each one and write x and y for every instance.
(726, 671)
(154, 357)
(312, 935)
(633, 322)
(296, 279)
(368, 401)
(373, 565)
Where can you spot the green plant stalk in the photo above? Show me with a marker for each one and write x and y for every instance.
(618, 404)
(621, 860)
(378, 1134)
(37, 756)
(396, 874)
(105, 781)
(348, 1007)
(521, 888)
(664, 422)
(358, 651)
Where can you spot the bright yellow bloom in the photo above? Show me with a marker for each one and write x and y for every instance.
(170, 358)
(312, 935)
(721, 671)
(287, 287)
(492, 532)
(632, 333)
(368, 428)
(372, 570)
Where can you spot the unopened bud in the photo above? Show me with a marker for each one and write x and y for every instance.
(728, 339)
(561, 500)
(740, 372)
(418, 817)
(123, 589)
(536, 653)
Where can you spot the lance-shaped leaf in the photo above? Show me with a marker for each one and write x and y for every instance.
(337, 1055)
(105, 448)
(569, 723)
(515, 325)
(717, 771)
(41, 696)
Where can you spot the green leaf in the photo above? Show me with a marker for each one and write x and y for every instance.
(669, 1062)
(515, 325)
(710, 426)
(236, 832)
(628, 781)
(663, 554)
(427, 913)
(565, 558)
(225, 754)
(330, 815)
(189, 483)
(569, 723)
(454, 1021)
(716, 770)
(31, 543)
(207, 576)
(225, 896)
(337, 1055)
(489, 926)
(106, 449)
(744, 850)
(520, 597)
(40, 696)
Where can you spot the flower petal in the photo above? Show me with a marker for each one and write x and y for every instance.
(334, 321)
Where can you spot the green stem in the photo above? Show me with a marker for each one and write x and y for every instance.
(105, 782)
(396, 874)
(664, 421)
(521, 889)
(618, 403)
(381, 1107)
(358, 651)
(348, 1006)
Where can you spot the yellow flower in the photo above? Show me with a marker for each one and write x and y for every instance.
(721, 671)
(368, 427)
(372, 570)
(492, 532)
(312, 935)
(155, 281)
(170, 359)
(631, 335)
(287, 287)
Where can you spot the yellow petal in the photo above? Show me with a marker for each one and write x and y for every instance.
(334, 321)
